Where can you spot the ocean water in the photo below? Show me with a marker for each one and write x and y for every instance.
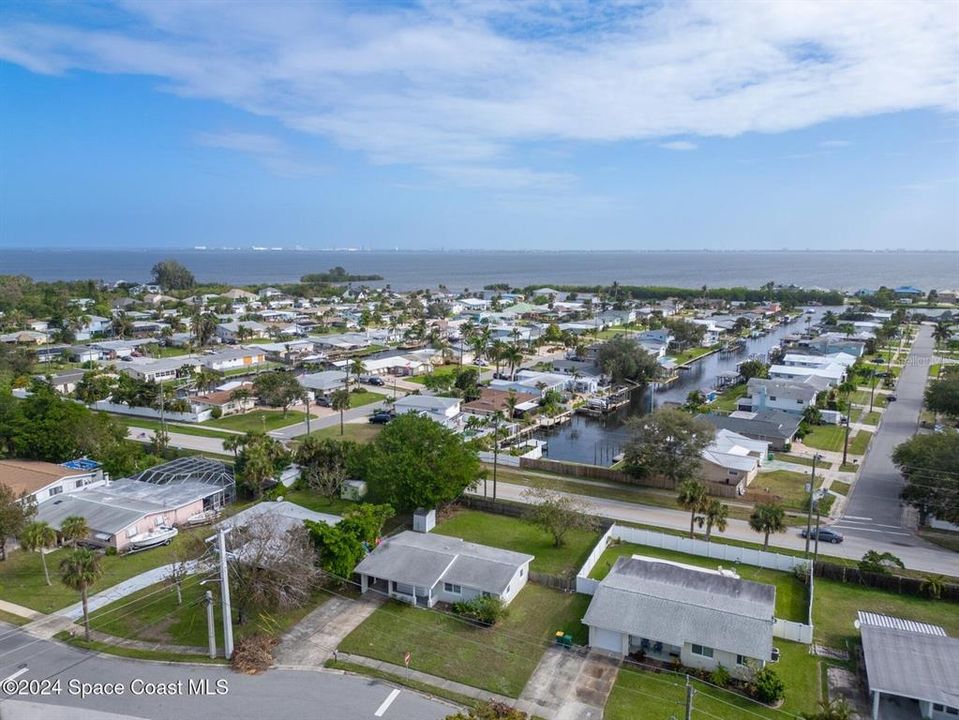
(474, 269)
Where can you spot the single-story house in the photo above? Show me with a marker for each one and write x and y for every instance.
(792, 396)
(832, 373)
(65, 382)
(225, 401)
(323, 383)
(492, 401)
(43, 480)
(423, 569)
(162, 370)
(733, 459)
(234, 358)
(670, 611)
(162, 496)
(776, 427)
(443, 410)
(911, 667)
(229, 331)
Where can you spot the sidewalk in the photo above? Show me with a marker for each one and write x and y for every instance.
(437, 682)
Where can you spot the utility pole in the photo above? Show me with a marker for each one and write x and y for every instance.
(495, 451)
(812, 490)
(872, 389)
(225, 596)
(210, 629)
(306, 397)
(815, 553)
(845, 444)
(690, 691)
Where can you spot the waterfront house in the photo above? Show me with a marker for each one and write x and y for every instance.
(792, 396)
(733, 460)
(40, 481)
(776, 427)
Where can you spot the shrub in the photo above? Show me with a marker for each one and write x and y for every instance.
(720, 676)
(768, 686)
(482, 610)
(216, 413)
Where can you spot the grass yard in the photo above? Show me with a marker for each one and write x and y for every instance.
(934, 370)
(836, 605)
(870, 418)
(135, 653)
(21, 576)
(170, 351)
(859, 443)
(689, 355)
(840, 487)
(263, 420)
(198, 430)
(825, 437)
(359, 432)
(795, 459)
(152, 615)
(791, 597)
(647, 694)
(861, 397)
(849, 467)
(728, 399)
(365, 397)
(942, 538)
(318, 503)
(520, 536)
(499, 659)
(441, 371)
(787, 486)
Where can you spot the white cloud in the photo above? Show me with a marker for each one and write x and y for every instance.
(464, 85)
(679, 145)
(271, 152)
(834, 143)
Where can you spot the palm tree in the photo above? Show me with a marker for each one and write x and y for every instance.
(356, 367)
(38, 536)
(692, 497)
(233, 443)
(941, 333)
(513, 357)
(932, 586)
(768, 518)
(258, 467)
(78, 571)
(496, 353)
(340, 400)
(715, 514)
(73, 529)
(511, 403)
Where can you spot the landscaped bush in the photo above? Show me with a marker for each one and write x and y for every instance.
(767, 686)
(720, 676)
(216, 413)
(481, 610)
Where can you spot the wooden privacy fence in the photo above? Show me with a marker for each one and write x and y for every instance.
(882, 581)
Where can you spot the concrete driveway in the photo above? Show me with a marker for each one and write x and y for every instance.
(571, 685)
(312, 641)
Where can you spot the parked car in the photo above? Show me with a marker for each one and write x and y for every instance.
(890, 398)
(372, 380)
(381, 417)
(481, 362)
(323, 401)
(825, 535)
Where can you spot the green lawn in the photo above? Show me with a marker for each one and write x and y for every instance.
(173, 428)
(870, 418)
(788, 486)
(521, 536)
(442, 370)
(365, 397)
(264, 420)
(861, 397)
(934, 370)
(727, 399)
(849, 467)
(647, 694)
(791, 597)
(318, 503)
(795, 459)
(840, 487)
(836, 604)
(21, 576)
(361, 432)
(135, 653)
(825, 437)
(857, 444)
(152, 615)
(689, 355)
(170, 351)
(499, 659)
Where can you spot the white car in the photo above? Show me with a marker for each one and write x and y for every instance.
(480, 363)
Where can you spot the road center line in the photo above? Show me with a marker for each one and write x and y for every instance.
(17, 674)
(386, 703)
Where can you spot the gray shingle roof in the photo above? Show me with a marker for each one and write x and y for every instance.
(676, 605)
(423, 559)
(912, 664)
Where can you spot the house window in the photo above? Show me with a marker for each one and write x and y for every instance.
(799, 402)
(742, 660)
(938, 707)
(56, 490)
(451, 588)
(952, 710)
(522, 571)
(78, 483)
(702, 650)
(131, 531)
(772, 397)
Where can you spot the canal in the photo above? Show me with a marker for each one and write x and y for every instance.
(597, 440)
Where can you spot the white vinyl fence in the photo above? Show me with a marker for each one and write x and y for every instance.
(787, 629)
(146, 412)
(504, 458)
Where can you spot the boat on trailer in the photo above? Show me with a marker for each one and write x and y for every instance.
(202, 518)
(162, 535)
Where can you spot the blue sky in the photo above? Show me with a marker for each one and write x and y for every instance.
(480, 125)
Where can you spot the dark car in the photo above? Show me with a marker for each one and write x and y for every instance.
(825, 535)
(323, 401)
(381, 418)
(890, 398)
(374, 380)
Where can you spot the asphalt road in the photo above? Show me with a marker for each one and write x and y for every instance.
(874, 510)
(317, 695)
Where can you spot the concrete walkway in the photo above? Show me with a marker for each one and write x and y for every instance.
(571, 684)
(311, 642)
(437, 682)
(19, 610)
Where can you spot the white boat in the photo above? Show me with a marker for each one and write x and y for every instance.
(201, 518)
(162, 535)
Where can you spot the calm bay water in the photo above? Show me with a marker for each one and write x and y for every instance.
(473, 269)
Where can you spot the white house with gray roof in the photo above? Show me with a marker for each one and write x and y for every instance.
(423, 568)
(671, 611)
